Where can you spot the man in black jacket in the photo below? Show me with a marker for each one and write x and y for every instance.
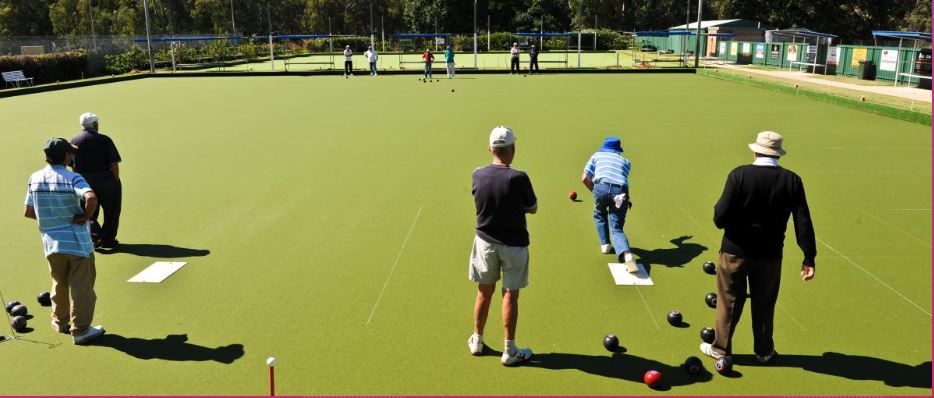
(98, 161)
(753, 212)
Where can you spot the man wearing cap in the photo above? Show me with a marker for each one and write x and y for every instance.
(606, 174)
(514, 59)
(753, 212)
(98, 161)
(348, 61)
(62, 202)
(533, 60)
(503, 196)
(371, 57)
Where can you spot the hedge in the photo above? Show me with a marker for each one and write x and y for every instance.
(47, 68)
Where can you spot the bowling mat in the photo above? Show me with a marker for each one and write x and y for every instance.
(157, 272)
(622, 276)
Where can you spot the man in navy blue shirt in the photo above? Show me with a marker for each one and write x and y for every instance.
(503, 196)
(98, 161)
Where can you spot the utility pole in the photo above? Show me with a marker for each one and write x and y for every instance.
(152, 62)
(372, 32)
(233, 23)
(580, 26)
(475, 34)
(700, 5)
(272, 52)
(91, 17)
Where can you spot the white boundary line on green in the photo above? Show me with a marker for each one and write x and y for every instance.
(647, 308)
(926, 244)
(394, 263)
(874, 277)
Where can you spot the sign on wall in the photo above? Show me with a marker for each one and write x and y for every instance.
(722, 48)
(889, 60)
(812, 54)
(747, 48)
(775, 51)
(833, 55)
(792, 53)
(760, 51)
(734, 46)
(859, 54)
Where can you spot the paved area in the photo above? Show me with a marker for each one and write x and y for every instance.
(902, 92)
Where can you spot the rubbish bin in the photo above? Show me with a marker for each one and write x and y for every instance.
(867, 70)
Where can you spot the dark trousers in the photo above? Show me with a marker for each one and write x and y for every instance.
(109, 193)
(514, 66)
(348, 67)
(533, 66)
(763, 278)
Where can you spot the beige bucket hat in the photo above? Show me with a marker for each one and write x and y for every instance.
(768, 143)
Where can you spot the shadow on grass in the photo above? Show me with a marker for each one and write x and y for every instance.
(155, 250)
(174, 347)
(853, 367)
(678, 256)
(619, 366)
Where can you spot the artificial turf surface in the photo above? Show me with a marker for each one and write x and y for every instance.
(327, 222)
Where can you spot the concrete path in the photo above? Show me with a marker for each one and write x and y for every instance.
(902, 92)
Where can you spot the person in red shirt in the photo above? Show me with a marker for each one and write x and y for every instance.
(428, 57)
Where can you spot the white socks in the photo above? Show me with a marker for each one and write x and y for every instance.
(628, 257)
(510, 347)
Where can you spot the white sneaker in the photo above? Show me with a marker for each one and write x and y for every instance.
(521, 355)
(708, 350)
(631, 266)
(606, 249)
(90, 334)
(475, 344)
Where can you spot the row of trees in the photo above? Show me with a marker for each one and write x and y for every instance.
(850, 19)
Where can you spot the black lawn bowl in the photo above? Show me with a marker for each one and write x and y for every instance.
(18, 323)
(693, 365)
(611, 343)
(675, 318)
(708, 335)
(44, 299)
(711, 300)
(19, 310)
(724, 366)
(10, 305)
(710, 268)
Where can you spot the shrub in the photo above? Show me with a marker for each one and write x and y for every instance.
(47, 68)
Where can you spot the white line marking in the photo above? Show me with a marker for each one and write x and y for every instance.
(925, 243)
(873, 276)
(647, 308)
(909, 209)
(780, 306)
(393, 268)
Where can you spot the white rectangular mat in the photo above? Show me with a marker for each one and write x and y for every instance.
(622, 276)
(157, 272)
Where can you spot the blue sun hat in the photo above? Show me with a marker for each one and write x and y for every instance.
(611, 144)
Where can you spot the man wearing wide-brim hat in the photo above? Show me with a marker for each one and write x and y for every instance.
(753, 212)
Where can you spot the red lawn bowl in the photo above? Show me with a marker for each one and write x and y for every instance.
(652, 378)
(572, 195)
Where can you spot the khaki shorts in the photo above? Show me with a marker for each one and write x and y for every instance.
(489, 260)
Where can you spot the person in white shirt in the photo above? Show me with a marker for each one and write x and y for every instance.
(514, 65)
(348, 61)
(371, 57)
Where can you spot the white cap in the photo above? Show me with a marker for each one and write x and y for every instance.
(87, 119)
(271, 361)
(501, 137)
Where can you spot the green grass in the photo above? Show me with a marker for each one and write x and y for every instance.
(305, 190)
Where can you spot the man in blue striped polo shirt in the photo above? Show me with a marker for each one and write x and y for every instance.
(607, 176)
(63, 202)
